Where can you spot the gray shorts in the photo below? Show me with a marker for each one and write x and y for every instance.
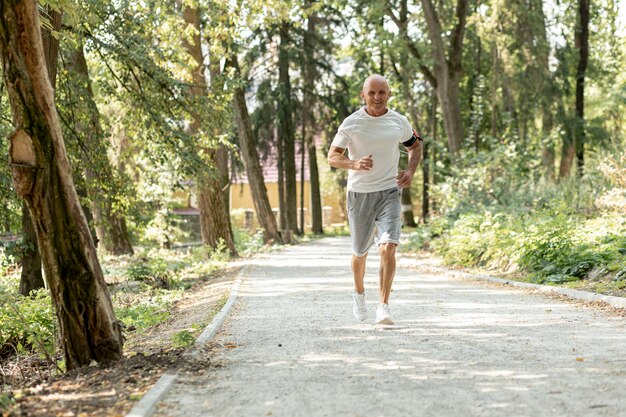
(366, 210)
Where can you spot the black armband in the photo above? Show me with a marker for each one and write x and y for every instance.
(414, 138)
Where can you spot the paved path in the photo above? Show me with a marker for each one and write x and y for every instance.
(292, 348)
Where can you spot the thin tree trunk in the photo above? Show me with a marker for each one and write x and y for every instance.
(494, 93)
(434, 158)
(286, 131)
(547, 93)
(280, 161)
(251, 161)
(568, 149)
(425, 183)
(581, 40)
(302, 157)
(110, 225)
(568, 152)
(42, 177)
(215, 223)
(405, 77)
(308, 119)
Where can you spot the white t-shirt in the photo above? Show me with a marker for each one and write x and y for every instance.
(365, 135)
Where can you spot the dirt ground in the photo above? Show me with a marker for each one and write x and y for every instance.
(114, 390)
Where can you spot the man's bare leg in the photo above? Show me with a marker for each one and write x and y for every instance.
(358, 270)
(387, 269)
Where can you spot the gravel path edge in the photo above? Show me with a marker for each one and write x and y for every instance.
(146, 406)
(618, 302)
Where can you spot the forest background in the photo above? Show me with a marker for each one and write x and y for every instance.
(521, 104)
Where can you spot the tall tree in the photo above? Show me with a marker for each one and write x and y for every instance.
(214, 220)
(31, 277)
(309, 74)
(286, 130)
(445, 76)
(250, 155)
(41, 174)
(110, 222)
(581, 42)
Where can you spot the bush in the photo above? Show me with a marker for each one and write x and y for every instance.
(28, 323)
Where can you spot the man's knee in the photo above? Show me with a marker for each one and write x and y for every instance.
(387, 249)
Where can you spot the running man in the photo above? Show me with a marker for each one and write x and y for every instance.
(372, 135)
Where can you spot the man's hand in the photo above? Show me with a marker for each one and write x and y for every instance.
(363, 164)
(404, 178)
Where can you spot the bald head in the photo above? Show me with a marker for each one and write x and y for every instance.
(375, 93)
(376, 78)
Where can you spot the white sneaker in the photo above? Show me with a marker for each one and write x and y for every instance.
(383, 315)
(359, 309)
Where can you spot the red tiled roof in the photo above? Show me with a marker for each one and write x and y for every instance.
(270, 167)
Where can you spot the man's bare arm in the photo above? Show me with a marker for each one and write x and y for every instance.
(337, 159)
(405, 176)
(415, 156)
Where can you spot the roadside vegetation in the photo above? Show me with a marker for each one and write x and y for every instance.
(569, 233)
(145, 289)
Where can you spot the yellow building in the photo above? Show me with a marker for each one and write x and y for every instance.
(242, 205)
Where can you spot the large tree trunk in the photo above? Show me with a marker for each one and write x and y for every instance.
(214, 220)
(251, 161)
(581, 41)
(310, 75)
(110, 225)
(31, 276)
(42, 177)
(286, 131)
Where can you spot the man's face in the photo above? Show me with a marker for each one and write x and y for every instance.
(376, 94)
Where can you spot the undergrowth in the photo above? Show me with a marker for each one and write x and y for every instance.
(555, 233)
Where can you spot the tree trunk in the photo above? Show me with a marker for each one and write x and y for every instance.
(547, 95)
(280, 161)
(251, 161)
(447, 71)
(433, 162)
(405, 77)
(581, 40)
(425, 183)
(302, 158)
(31, 277)
(286, 131)
(42, 177)
(215, 223)
(308, 119)
(110, 225)
(568, 152)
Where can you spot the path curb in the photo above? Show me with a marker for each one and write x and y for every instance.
(618, 302)
(146, 406)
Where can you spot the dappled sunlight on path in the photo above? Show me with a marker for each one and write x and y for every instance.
(292, 348)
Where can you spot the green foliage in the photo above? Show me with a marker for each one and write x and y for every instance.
(141, 313)
(28, 323)
(247, 243)
(553, 248)
(6, 401)
(155, 272)
(183, 339)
